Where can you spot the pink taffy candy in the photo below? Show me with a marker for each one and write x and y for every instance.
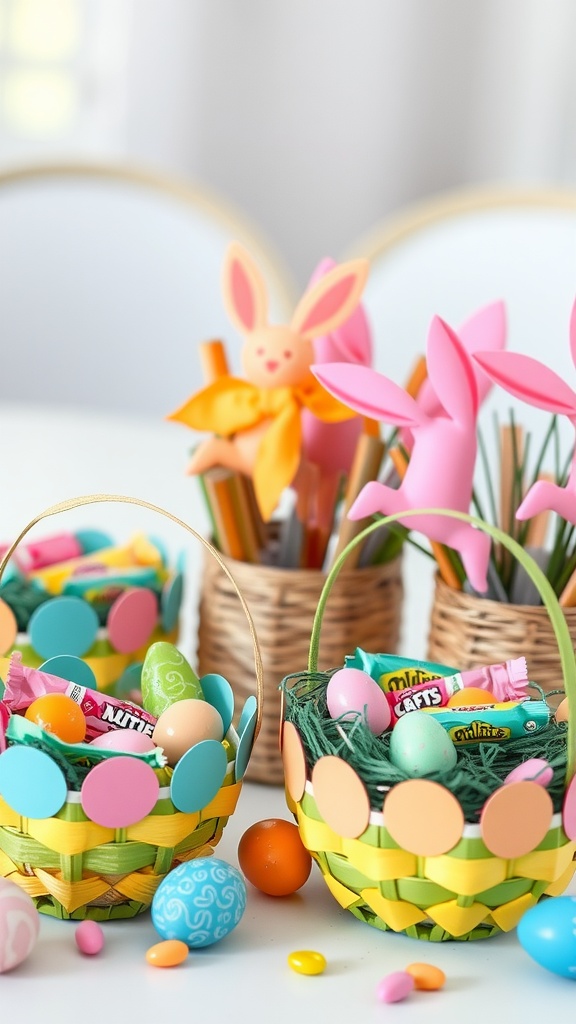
(441, 467)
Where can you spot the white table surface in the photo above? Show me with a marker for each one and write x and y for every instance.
(49, 455)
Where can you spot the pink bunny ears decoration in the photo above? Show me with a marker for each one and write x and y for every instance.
(441, 467)
(538, 385)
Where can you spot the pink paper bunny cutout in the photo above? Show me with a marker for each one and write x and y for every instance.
(441, 467)
(538, 385)
(330, 447)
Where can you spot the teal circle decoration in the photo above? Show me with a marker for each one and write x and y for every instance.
(198, 776)
(31, 783)
(68, 666)
(64, 625)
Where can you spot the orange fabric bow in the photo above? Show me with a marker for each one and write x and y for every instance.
(230, 405)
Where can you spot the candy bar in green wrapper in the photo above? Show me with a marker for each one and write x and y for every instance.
(394, 672)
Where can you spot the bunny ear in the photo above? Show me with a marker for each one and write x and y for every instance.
(485, 329)
(369, 393)
(573, 333)
(352, 341)
(529, 380)
(244, 290)
(331, 300)
(451, 373)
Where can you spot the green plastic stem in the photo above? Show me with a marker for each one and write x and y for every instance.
(549, 599)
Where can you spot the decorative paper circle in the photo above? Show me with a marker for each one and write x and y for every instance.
(64, 625)
(160, 546)
(423, 817)
(131, 619)
(569, 811)
(341, 796)
(119, 792)
(515, 819)
(170, 602)
(4, 719)
(93, 540)
(198, 776)
(31, 783)
(218, 693)
(67, 666)
(246, 729)
(294, 761)
(8, 627)
(130, 679)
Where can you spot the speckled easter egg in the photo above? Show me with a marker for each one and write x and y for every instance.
(420, 746)
(199, 902)
(166, 678)
(19, 925)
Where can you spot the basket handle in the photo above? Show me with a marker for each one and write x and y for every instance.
(549, 599)
(93, 499)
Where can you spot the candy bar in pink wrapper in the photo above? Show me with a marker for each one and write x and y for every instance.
(103, 713)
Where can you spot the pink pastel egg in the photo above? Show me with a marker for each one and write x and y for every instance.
(533, 770)
(19, 925)
(89, 938)
(128, 740)
(351, 691)
(395, 987)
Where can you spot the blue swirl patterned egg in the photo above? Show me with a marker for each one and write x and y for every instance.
(199, 902)
(548, 934)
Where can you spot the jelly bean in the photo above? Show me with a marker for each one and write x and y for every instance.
(169, 953)
(89, 938)
(307, 961)
(395, 987)
(426, 977)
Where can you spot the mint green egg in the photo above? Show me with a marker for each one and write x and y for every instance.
(420, 746)
(166, 678)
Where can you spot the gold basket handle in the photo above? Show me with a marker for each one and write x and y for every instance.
(94, 499)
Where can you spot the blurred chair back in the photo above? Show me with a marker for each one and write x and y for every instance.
(110, 278)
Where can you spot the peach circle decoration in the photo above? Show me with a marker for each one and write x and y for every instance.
(341, 797)
(423, 817)
(8, 627)
(569, 811)
(294, 761)
(515, 819)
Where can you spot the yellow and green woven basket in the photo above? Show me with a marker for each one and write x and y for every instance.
(75, 868)
(438, 876)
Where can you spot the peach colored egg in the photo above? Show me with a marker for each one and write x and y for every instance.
(470, 696)
(184, 724)
(562, 711)
(129, 740)
(169, 953)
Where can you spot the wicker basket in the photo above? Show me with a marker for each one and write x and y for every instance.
(365, 610)
(410, 862)
(466, 631)
(75, 867)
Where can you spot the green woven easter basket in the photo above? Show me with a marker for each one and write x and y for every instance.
(454, 855)
(76, 864)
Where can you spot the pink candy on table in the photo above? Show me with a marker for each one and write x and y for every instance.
(89, 938)
(395, 987)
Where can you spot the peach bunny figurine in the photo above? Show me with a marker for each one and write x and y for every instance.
(329, 447)
(258, 419)
(441, 467)
(538, 385)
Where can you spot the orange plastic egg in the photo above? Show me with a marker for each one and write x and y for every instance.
(470, 696)
(60, 715)
(273, 857)
(169, 953)
(562, 711)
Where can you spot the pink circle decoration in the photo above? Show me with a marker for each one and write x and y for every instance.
(131, 619)
(119, 792)
(569, 811)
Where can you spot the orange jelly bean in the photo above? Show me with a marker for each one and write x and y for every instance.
(169, 953)
(426, 977)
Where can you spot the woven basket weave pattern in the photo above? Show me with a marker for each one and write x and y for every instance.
(466, 631)
(365, 611)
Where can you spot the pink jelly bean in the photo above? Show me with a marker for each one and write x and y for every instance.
(89, 938)
(395, 987)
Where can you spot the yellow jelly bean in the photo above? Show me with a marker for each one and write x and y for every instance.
(168, 953)
(426, 977)
(307, 961)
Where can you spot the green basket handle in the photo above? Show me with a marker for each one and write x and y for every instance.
(549, 599)
(92, 499)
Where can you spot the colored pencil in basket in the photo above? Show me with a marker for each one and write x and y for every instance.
(365, 467)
